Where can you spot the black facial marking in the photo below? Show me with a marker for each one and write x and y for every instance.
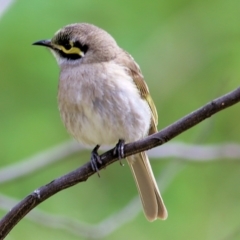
(72, 56)
(64, 40)
(82, 47)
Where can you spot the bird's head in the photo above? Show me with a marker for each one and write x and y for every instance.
(81, 43)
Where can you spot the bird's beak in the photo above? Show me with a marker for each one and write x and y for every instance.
(45, 43)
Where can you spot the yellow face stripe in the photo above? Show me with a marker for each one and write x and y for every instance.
(72, 50)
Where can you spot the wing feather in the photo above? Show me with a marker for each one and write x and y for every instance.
(135, 72)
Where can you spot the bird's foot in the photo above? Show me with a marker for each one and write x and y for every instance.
(95, 159)
(119, 150)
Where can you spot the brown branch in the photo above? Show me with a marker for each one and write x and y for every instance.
(82, 173)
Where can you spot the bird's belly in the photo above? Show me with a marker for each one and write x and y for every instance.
(103, 108)
(105, 122)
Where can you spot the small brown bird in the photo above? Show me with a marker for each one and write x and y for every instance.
(103, 99)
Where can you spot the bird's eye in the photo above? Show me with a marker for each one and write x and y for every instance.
(67, 46)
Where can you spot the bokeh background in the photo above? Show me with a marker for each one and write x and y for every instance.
(189, 53)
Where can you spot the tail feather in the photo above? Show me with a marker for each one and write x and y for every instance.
(152, 201)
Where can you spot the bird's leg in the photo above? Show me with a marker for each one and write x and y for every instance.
(95, 159)
(119, 150)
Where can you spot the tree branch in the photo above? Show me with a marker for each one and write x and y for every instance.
(82, 173)
(185, 151)
(106, 226)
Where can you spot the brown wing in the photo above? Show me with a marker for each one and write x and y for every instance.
(135, 72)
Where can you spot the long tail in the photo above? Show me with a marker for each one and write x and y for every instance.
(152, 201)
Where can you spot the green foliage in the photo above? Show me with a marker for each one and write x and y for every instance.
(189, 52)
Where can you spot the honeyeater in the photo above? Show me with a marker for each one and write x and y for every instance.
(103, 99)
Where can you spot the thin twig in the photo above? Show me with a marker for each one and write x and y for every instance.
(38, 161)
(189, 152)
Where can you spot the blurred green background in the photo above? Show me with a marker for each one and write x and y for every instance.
(189, 53)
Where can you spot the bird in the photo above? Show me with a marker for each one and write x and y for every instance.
(103, 99)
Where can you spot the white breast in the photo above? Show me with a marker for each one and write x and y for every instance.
(100, 104)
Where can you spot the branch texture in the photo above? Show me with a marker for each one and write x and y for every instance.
(82, 173)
